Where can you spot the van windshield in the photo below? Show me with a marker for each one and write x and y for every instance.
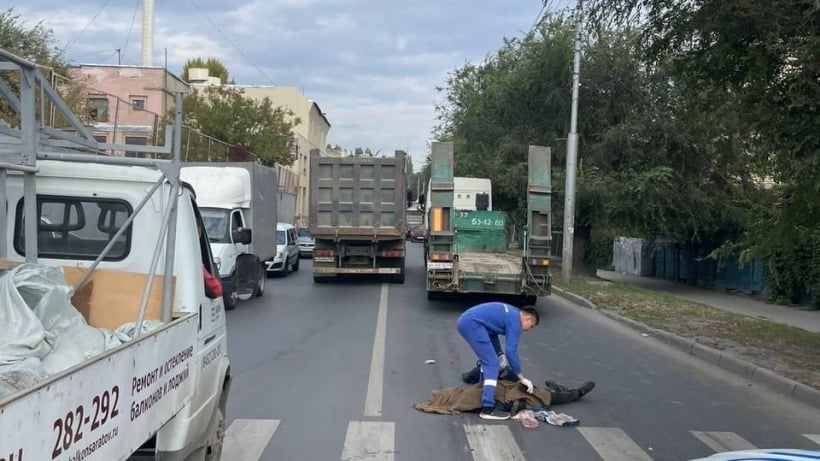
(216, 224)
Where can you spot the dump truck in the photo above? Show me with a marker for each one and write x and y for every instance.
(467, 247)
(357, 216)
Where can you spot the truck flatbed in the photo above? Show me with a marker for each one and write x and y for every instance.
(490, 263)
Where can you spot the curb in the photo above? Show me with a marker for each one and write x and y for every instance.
(747, 370)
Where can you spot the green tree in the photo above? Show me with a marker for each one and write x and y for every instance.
(214, 66)
(763, 59)
(648, 166)
(36, 44)
(228, 115)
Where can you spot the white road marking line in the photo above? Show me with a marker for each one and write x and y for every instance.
(813, 437)
(612, 444)
(246, 439)
(492, 443)
(723, 441)
(373, 400)
(369, 441)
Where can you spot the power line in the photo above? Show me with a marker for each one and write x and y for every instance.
(133, 21)
(64, 50)
(231, 43)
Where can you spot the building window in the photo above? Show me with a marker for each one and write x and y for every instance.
(98, 109)
(137, 141)
(138, 102)
(101, 138)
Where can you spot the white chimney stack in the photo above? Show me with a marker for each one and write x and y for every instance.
(147, 32)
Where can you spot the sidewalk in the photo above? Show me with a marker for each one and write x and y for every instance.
(807, 320)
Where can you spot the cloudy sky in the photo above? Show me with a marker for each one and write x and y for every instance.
(371, 65)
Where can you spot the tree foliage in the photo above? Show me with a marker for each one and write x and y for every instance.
(36, 44)
(651, 164)
(228, 115)
(761, 61)
(215, 68)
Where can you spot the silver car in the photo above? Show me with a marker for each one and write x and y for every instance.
(305, 242)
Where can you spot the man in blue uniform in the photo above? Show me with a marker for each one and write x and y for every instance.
(481, 325)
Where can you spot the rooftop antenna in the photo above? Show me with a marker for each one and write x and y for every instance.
(147, 32)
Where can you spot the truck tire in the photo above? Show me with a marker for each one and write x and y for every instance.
(398, 278)
(529, 300)
(260, 284)
(230, 301)
(216, 438)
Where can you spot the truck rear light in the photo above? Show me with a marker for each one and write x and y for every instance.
(539, 262)
(441, 257)
(439, 219)
(392, 254)
(323, 253)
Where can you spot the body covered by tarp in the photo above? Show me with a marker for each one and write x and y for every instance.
(455, 400)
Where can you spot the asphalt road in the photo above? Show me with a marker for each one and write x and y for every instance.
(309, 386)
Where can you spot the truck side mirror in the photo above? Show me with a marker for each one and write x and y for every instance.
(243, 236)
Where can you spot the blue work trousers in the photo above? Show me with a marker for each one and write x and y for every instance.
(478, 338)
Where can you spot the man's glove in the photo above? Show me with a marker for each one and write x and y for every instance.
(502, 361)
(528, 384)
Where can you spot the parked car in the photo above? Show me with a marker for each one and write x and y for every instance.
(287, 252)
(305, 242)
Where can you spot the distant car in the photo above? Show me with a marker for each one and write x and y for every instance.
(783, 454)
(416, 233)
(287, 252)
(305, 242)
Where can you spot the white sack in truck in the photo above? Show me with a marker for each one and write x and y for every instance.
(45, 324)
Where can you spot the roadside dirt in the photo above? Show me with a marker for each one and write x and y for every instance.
(788, 351)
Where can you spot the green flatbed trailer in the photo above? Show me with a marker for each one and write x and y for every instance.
(467, 250)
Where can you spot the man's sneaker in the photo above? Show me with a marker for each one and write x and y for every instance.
(586, 388)
(493, 414)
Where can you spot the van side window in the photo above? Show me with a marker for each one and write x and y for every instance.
(76, 228)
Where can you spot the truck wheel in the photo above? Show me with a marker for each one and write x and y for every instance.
(230, 300)
(432, 295)
(213, 451)
(529, 300)
(260, 284)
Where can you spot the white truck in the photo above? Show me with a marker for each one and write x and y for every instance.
(234, 196)
(106, 223)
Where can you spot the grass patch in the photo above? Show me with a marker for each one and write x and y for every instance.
(790, 351)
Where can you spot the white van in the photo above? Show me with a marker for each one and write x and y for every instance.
(287, 251)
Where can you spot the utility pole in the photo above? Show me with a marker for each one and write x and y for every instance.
(572, 155)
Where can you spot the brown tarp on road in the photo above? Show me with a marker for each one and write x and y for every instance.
(455, 400)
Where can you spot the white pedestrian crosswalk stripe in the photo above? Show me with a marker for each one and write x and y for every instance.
(369, 441)
(246, 439)
(612, 444)
(723, 441)
(492, 443)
